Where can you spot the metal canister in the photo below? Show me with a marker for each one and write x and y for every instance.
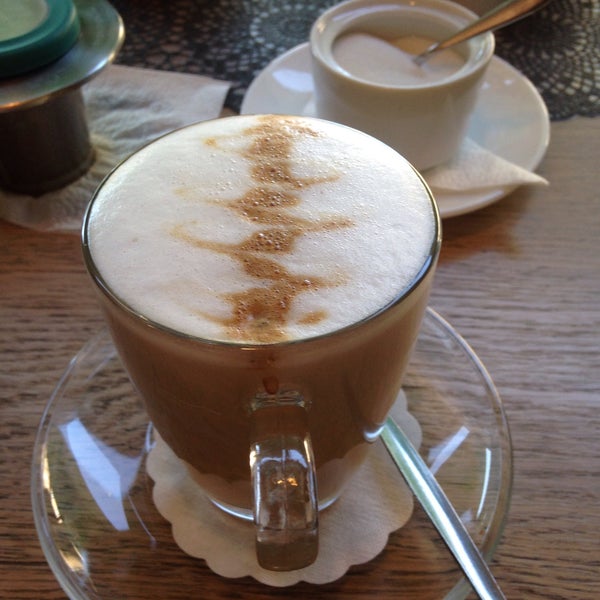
(48, 50)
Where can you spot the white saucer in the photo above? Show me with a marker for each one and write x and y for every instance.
(510, 118)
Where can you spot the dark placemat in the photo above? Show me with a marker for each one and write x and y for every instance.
(558, 48)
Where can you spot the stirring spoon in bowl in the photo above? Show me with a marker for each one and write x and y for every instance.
(504, 14)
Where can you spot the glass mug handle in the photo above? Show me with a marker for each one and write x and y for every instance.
(284, 482)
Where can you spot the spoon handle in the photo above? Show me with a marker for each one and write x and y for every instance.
(504, 14)
(441, 512)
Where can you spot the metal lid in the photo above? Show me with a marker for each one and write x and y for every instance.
(34, 33)
(99, 41)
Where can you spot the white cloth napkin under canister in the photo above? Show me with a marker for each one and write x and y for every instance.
(126, 108)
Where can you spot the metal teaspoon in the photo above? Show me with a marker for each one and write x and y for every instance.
(441, 512)
(504, 14)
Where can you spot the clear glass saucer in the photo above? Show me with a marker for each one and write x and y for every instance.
(104, 539)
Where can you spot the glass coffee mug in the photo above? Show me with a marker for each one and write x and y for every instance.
(246, 268)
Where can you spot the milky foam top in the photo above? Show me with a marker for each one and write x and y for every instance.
(261, 228)
(391, 61)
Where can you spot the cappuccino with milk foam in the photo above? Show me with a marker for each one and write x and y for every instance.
(256, 255)
(261, 229)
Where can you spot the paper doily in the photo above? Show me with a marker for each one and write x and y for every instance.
(352, 531)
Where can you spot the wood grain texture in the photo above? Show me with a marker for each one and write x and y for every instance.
(520, 280)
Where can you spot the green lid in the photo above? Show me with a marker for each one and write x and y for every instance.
(34, 33)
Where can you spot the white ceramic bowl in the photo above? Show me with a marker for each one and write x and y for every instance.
(425, 122)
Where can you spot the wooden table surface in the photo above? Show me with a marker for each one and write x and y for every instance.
(520, 280)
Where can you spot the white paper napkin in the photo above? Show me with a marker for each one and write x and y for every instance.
(126, 108)
(473, 169)
(352, 531)
(476, 169)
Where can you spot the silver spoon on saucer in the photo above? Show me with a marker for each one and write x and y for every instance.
(441, 512)
(504, 14)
